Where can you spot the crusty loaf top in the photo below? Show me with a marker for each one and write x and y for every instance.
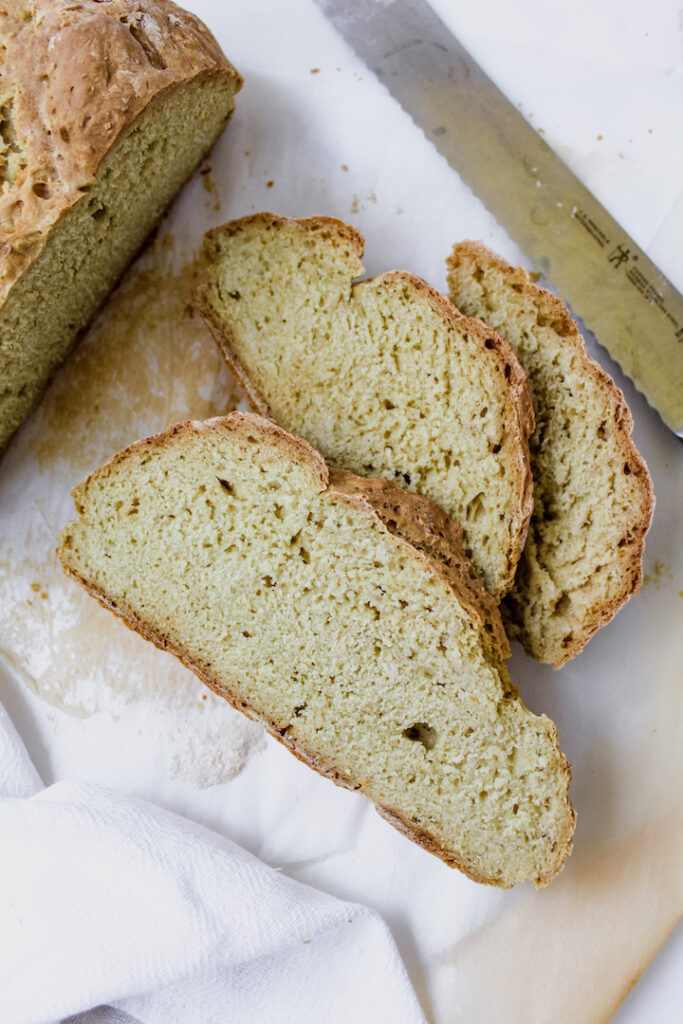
(73, 77)
(425, 526)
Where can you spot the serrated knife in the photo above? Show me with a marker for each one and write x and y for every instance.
(631, 307)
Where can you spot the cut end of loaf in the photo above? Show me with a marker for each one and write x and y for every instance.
(383, 376)
(593, 494)
(126, 118)
(359, 644)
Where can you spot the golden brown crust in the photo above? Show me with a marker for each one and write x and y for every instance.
(222, 339)
(418, 523)
(75, 77)
(514, 380)
(629, 559)
(273, 221)
(425, 527)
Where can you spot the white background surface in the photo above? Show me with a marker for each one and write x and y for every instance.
(578, 72)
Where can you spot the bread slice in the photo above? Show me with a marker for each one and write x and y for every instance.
(341, 613)
(384, 377)
(105, 110)
(593, 494)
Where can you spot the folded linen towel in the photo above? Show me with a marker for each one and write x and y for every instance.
(111, 902)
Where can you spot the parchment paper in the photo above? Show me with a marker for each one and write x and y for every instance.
(314, 133)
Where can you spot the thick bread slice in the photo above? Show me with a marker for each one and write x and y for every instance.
(384, 377)
(105, 110)
(593, 494)
(342, 614)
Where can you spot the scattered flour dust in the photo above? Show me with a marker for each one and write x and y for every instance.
(147, 361)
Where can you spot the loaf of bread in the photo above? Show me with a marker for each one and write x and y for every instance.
(342, 613)
(105, 110)
(384, 377)
(593, 494)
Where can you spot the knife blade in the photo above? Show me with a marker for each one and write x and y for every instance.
(628, 303)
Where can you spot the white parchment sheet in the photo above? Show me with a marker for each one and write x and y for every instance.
(314, 133)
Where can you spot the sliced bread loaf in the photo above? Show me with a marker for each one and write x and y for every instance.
(384, 377)
(593, 494)
(105, 110)
(342, 614)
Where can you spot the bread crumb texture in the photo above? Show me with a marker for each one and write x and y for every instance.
(105, 109)
(295, 594)
(593, 497)
(384, 376)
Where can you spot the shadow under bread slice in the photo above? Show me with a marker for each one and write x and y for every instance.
(383, 376)
(343, 614)
(593, 497)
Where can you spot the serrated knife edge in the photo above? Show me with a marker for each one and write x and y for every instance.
(630, 305)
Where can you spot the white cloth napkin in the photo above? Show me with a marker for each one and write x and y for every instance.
(112, 903)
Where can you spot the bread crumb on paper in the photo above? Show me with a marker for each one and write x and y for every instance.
(211, 186)
(659, 573)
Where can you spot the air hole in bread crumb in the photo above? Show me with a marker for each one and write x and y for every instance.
(422, 733)
(226, 485)
(42, 190)
(476, 507)
(489, 343)
(627, 469)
